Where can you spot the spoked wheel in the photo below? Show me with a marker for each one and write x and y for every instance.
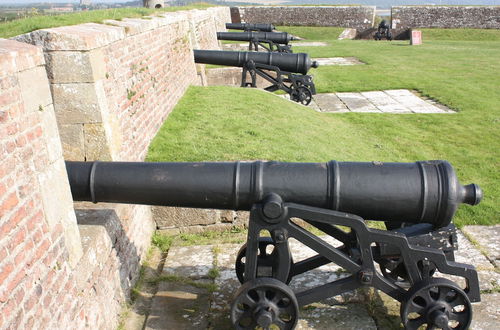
(302, 95)
(264, 303)
(267, 260)
(437, 303)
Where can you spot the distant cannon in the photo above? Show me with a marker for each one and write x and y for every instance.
(383, 30)
(270, 41)
(250, 27)
(285, 66)
(334, 198)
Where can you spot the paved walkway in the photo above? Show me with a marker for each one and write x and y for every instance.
(199, 281)
(401, 101)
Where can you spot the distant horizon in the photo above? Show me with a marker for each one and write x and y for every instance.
(340, 2)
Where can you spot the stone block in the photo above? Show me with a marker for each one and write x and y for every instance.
(348, 34)
(76, 103)
(18, 56)
(96, 144)
(58, 206)
(75, 66)
(168, 217)
(51, 133)
(487, 238)
(35, 90)
(75, 37)
(73, 142)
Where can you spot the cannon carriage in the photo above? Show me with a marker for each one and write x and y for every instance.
(287, 72)
(416, 200)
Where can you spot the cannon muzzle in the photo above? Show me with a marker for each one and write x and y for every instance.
(250, 27)
(421, 192)
(298, 63)
(282, 38)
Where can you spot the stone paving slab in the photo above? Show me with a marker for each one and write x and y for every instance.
(338, 61)
(330, 102)
(309, 44)
(355, 102)
(399, 101)
(189, 261)
(179, 306)
(487, 313)
(487, 238)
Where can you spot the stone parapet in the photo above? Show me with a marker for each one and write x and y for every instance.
(359, 17)
(476, 17)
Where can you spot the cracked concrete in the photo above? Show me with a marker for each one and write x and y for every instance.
(190, 301)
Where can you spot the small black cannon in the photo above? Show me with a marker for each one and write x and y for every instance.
(335, 198)
(250, 27)
(285, 66)
(383, 30)
(270, 41)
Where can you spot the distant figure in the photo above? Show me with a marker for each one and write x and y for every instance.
(384, 30)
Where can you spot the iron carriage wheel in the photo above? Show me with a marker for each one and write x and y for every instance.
(302, 95)
(264, 303)
(437, 302)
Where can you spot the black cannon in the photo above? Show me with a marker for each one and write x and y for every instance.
(250, 27)
(383, 30)
(270, 41)
(285, 67)
(286, 200)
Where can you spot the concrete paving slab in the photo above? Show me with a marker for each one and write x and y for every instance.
(486, 314)
(487, 238)
(330, 102)
(189, 261)
(357, 103)
(178, 306)
(467, 253)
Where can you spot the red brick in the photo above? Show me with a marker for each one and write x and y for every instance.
(16, 280)
(18, 238)
(19, 296)
(5, 270)
(8, 204)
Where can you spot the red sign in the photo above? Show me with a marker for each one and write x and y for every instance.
(416, 37)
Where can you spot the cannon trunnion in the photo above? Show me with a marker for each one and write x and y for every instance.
(286, 200)
(284, 71)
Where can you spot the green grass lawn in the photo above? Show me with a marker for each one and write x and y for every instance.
(222, 123)
(25, 25)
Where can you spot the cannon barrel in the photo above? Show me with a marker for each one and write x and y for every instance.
(426, 191)
(250, 27)
(277, 37)
(298, 63)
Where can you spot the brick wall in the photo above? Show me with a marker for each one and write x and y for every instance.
(40, 244)
(360, 17)
(65, 266)
(478, 17)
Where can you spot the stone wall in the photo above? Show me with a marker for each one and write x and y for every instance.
(477, 17)
(66, 266)
(360, 17)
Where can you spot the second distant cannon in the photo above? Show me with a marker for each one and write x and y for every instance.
(287, 72)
